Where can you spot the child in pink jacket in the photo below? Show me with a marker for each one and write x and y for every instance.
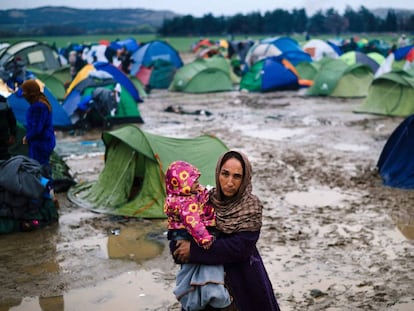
(191, 217)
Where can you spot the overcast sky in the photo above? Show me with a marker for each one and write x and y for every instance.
(216, 7)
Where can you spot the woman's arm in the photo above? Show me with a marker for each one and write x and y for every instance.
(231, 248)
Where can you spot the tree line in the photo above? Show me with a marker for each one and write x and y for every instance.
(286, 22)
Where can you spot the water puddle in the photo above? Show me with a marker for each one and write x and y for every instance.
(350, 147)
(315, 197)
(272, 134)
(404, 221)
(129, 291)
(72, 148)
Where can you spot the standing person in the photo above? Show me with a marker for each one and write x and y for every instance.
(8, 128)
(191, 218)
(40, 135)
(239, 219)
(125, 57)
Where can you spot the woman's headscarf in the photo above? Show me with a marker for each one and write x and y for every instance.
(243, 211)
(32, 93)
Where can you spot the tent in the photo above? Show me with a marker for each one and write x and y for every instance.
(336, 78)
(158, 75)
(132, 180)
(151, 51)
(264, 49)
(272, 73)
(390, 94)
(59, 116)
(401, 58)
(319, 49)
(34, 54)
(356, 57)
(108, 76)
(203, 75)
(55, 80)
(395, 164)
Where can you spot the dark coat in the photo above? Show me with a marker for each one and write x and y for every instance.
(8, 127)
(246, 275)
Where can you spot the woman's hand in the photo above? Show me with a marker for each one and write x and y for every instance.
(24, 140)
(182, 253)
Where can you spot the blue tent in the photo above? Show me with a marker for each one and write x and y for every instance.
(395, 164)
(20, 105)
(153, 50)
(290, 48)
(130, 43)
(270, 74)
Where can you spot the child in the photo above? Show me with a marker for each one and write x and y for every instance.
(190, 217)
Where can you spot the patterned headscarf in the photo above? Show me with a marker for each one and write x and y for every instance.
(180, 177)
(32, 93)
(243, 211)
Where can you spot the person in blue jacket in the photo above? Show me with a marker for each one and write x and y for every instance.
(40, 135)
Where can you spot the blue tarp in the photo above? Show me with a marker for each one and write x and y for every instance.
(395, 164)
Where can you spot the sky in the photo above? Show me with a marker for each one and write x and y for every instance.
(216, 7)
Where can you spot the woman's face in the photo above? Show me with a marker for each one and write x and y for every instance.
(231, 176)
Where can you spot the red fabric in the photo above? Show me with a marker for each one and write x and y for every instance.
(144, 75)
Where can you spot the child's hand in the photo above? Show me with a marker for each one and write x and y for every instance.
(208, 244)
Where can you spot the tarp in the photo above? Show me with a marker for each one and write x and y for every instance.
(132, 181)
(395, 164)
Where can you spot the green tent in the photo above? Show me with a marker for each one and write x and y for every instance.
(308, 70)
(203, 76)
(55, 80)
(390, 94)
(336, 78)
(132, 181)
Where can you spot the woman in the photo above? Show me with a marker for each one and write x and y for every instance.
(239, 219)
(40, 135)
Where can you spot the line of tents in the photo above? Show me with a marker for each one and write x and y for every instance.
(136, 160)
(271, 64)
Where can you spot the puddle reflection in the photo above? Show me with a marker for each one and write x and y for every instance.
(315, 197)
(132, 243)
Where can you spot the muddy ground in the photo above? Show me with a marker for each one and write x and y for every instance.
(333, 237)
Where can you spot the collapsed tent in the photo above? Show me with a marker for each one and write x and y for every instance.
(132, 181)
(272, 73)
(80, 98)
(390, 94)
(395, 164)
(336, 78)
(203, 75)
